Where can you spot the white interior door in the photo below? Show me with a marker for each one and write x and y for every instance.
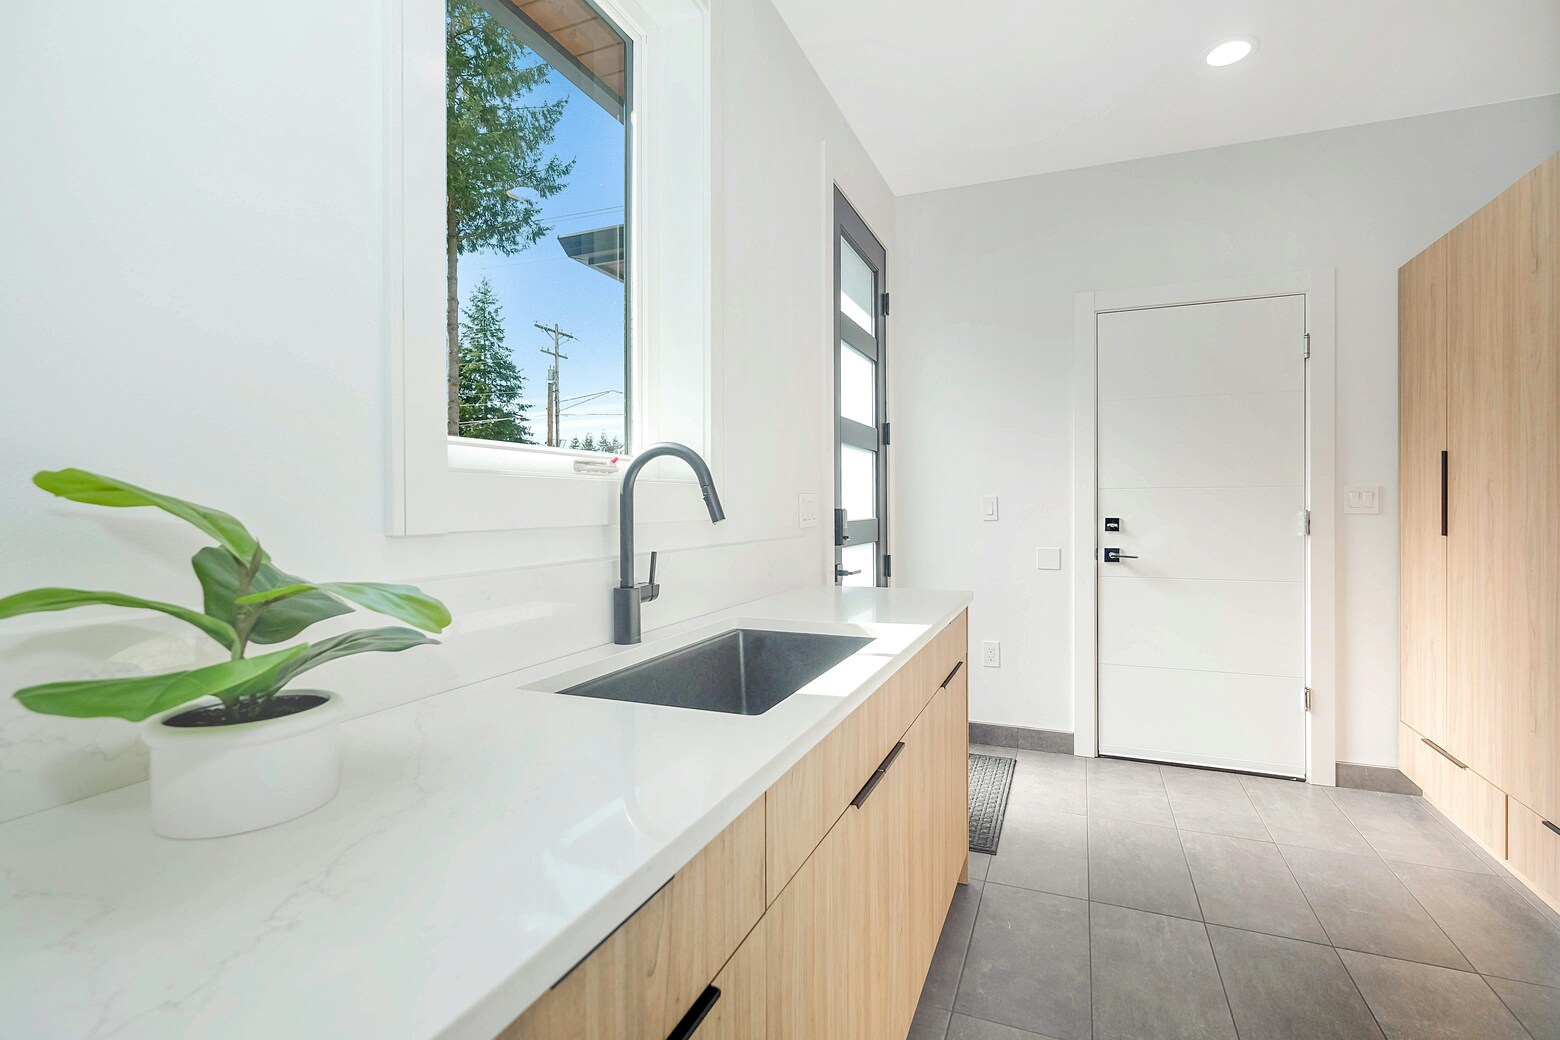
(1202, 471)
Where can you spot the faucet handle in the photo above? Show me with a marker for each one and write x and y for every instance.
(650, 590)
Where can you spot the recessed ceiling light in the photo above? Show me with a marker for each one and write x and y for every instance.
(1231, 51)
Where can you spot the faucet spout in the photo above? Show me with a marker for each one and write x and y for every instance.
(629, 596)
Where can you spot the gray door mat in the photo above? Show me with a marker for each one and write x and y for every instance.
(991, 777)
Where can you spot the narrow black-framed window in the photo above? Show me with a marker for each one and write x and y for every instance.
(861, 430)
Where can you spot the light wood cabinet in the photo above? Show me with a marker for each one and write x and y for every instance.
(853, 933)
(1535, 851)
(863, 843)
(814, 793)
(1479, 377)
(809, 966)
(740, 1010)
(643, 978)
(1421, 454)
(1503, 432)
(1465, 797)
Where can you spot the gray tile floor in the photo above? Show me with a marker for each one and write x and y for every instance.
(1130, 901)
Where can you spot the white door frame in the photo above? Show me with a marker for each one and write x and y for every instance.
(1318, 288)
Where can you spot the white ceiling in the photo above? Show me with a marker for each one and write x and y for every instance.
(945, 94)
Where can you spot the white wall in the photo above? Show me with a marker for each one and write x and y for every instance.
(983, 283)
(191, 278)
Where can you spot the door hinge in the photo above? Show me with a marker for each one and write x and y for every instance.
(1305, 522)
(1308, 698)
(885, 305)
(1307, 346)
(885, 434)
(888, 566)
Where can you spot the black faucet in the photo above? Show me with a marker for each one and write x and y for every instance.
(628, 596)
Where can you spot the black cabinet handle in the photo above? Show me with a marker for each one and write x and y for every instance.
(1443, 494)
(690, 1022)
(951, 674)
(1552, 827)
(1438, 749)
(877, 777)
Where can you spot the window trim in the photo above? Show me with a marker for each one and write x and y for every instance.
(439, 484)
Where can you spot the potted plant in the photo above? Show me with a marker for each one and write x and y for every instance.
(233, 747)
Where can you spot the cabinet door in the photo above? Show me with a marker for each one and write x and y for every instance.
(739, 1011)
(882, 1001)
(810, 974)
(1503, 553)
(644, 976)
(1422, 362)
(839, 958)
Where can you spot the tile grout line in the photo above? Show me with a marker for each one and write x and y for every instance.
(1203, 918)
(1322, 925)
(1291, 871)
(1509, 1009)
(1463, 846)
(1356, 984)
(965, 959)
(1433, 919)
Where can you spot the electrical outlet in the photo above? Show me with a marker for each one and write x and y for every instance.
(991, 654)
(807, 509)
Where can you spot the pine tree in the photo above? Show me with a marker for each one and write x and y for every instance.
(603, 443)
(494, 145)
(490, 383)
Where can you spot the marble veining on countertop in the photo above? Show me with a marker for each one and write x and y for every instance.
(484, 840)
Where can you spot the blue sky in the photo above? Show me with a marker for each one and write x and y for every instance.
(543, 285)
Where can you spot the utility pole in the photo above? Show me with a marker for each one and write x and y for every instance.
(558, 336)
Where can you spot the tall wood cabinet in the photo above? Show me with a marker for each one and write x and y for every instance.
(1479, 471)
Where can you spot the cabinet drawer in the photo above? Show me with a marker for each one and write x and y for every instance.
(1535, 851)
(1467, 799)
(640, 982)
(803, 804)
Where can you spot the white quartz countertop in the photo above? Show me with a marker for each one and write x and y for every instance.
(484, 840)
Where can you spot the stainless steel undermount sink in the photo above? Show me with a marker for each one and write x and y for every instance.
(745, 671)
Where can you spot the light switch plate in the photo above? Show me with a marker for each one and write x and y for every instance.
(1048, 559)
(1362, 498)
(808, 510)
(988, 507)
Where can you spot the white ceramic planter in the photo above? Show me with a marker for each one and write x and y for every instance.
(215, 780)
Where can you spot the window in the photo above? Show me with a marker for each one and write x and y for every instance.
(538, 335)
(652, 367)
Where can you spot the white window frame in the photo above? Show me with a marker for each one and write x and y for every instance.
(441, 484)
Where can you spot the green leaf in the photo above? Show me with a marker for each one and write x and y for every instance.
(219, 575)
(402, 602)
(141, 697)
(382, 640)
(38, 601)
(90, 488)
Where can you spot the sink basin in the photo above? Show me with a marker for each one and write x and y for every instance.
(744, 671)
